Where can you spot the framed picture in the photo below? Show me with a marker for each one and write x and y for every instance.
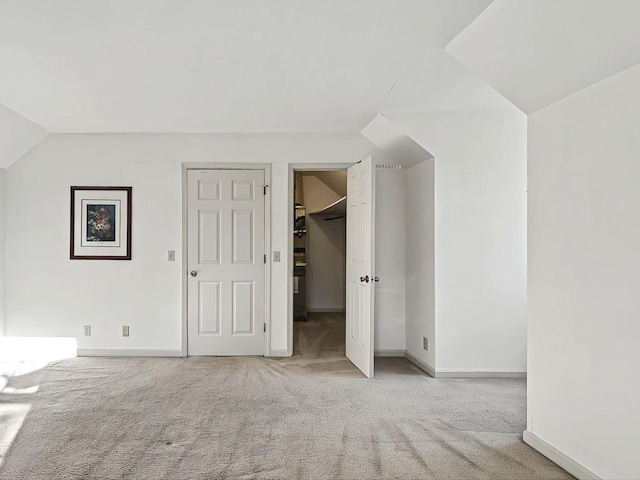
(100, 223)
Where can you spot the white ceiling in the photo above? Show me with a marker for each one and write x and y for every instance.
(402, 149)
(536, 52)
(17, 136)
(232, 65)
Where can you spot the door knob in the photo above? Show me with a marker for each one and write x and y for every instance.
(365, 279)
(194, 273)
(375, 279)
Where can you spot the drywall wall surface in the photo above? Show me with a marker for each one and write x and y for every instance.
(419, 254)
(316, 194)
(2, 242)
(584, 258)
(389, 325)
(145, 293)
(480, 237)
(336, 180)
(281, 276)
(326, 263)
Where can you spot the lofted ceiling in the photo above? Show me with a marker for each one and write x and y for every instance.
(233, 65)
(298, 66)
(17, 136)
(536, 52)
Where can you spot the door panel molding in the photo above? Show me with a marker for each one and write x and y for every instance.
(204, 326)
(241, 272)
(361, 265)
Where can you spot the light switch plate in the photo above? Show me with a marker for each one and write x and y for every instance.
(276, 256)
(171, 256)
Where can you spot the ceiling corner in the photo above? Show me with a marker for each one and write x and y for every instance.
(18, 135)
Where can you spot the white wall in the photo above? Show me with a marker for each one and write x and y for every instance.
(2, 241)
(480, 237)
(390, 260)
(584, 259)
(326, 264)
(56, 296)
(420, 248)
(145, 293)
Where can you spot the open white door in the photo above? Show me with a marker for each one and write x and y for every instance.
(360, 264)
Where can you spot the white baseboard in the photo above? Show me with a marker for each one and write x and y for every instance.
(557, 457)
(389, 352)
(428, 369)
(279, 353)
(459, 373)
(325, 310)
(478, 374)
(105, 352)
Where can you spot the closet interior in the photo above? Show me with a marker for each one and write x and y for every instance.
(319, 242)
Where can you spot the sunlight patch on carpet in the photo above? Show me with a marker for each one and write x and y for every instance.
(12, 417)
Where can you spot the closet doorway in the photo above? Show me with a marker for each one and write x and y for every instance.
(319, 262)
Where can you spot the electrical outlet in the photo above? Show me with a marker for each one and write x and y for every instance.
(425, 343)
(276, 256)
(87, 330)
(125, 330)
(171, 256)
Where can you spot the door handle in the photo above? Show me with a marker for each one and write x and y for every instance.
(194, 273)
(365, 279)
(375, 279)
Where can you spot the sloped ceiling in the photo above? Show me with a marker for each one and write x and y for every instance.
(17, 136)
(317, 195)
(335, 180)
(404, 151)
(233, 65)
(536, 52)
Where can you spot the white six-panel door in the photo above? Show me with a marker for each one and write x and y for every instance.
(226, 263)
(360, 265)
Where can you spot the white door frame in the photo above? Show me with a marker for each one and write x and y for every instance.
(267, 242)
(300, 167)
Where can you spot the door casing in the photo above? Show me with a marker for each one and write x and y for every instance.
(184, 268)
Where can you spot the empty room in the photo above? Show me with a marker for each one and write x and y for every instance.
(304, 239)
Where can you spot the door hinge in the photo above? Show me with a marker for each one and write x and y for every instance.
(265, 327)
(264, 189)
(265, 258)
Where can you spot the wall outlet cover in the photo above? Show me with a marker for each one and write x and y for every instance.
(125, 330)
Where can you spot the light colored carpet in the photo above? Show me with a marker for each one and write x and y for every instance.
(312, 416)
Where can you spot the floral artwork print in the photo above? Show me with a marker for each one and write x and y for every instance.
(101, 223)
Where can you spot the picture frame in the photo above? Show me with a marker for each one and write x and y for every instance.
(100, 223)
